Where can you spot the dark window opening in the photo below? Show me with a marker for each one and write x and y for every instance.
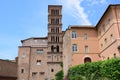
(52, 38)
(34, 74)
(22, 71)
(42, 73)
(57, 48)
(52, 70)
(87, 59)
(57, 39)
(52, 48)
(52, 30)
(54, 12)
(57, 21)
(57, 30)
(52, 21)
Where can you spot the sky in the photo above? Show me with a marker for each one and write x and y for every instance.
(22, 19)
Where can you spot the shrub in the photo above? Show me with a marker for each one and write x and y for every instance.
(59, 75)
(101, 70)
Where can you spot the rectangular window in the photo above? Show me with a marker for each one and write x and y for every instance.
(85, 36)
(42, 73)
(74, 47)
(34, 74)
(39, 51)
(73, 34)
(86, 49)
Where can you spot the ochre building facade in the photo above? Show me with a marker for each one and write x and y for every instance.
(41, 58)
(83, 44)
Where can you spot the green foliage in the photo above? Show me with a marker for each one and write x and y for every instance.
(59, 75)
(61, 64)
(102, 70)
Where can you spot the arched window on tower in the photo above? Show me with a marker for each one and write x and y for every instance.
(57, 48)
(57, 21)
(52, 48)
(56, 39)
(52, 30)
(58, 29)
(53, 38)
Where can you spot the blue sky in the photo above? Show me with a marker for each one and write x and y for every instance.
(21, 19)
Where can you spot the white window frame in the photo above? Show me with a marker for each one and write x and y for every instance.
(74, 47)
(85, 36)
(86, 49)
(74, 34)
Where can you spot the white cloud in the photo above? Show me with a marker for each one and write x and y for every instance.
(76, 10)
(96, 2)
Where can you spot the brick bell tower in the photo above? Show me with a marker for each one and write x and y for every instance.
(54, 55)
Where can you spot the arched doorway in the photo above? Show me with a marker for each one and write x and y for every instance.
(87, 59)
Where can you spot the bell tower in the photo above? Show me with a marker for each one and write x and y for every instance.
(54, 55)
